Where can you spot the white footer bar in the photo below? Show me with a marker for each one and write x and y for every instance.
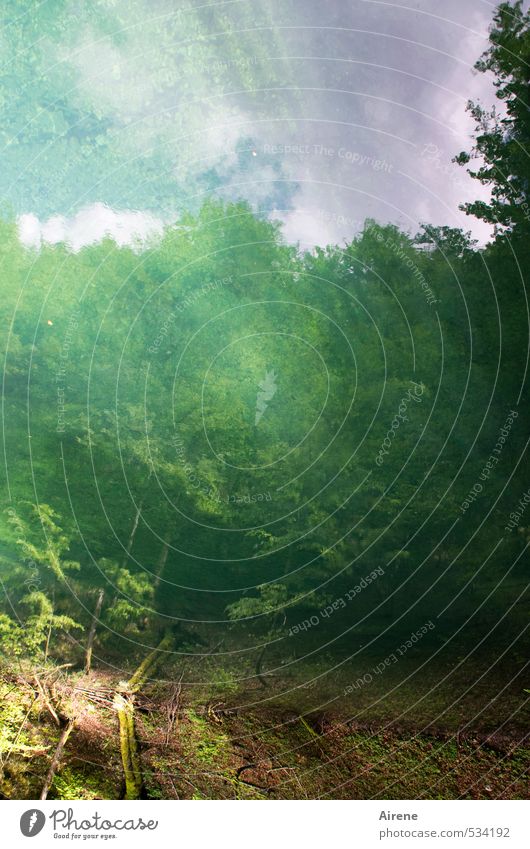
(267, 824)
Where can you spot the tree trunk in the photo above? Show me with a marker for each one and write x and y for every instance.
(92, 632)
(56, 760)
(259, 662)
(162, 560)
(261, 655)
(132, 534)
(49, 634)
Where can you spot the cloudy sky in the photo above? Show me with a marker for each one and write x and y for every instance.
(118, 115)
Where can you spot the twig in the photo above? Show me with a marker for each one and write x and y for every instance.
(172, 709)
(47, 701)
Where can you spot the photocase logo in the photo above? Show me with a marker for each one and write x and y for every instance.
(32, 822)
(63, 823)
(267, 392)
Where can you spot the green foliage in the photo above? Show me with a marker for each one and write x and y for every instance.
(502, 141)
(133, 593)
(224, 682)
(300, 530)
(34, 634)
(42, 540)
(161, 469)
(271, 598)
(43, 621)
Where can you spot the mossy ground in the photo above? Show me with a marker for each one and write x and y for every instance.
(217, 750)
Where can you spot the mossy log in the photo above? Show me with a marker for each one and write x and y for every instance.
(128, 746)
(149, 664)
(124, 705)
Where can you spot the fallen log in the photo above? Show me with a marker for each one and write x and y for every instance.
(68, 727)
(128, 746)
(148, 665)
(124, 706)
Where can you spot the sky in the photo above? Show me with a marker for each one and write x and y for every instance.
(119, 115)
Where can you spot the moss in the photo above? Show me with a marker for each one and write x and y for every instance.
(71, 784)
(152, 787)
(21, 739)
(205, 743)
(15, 708)
(287, 758)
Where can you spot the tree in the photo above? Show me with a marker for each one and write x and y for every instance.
(502, 142)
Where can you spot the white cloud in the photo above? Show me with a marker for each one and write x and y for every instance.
(90, 226)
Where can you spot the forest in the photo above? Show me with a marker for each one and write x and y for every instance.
(264, 529)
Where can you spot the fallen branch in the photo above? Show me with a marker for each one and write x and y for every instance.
(56, 760)
(47, 701)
